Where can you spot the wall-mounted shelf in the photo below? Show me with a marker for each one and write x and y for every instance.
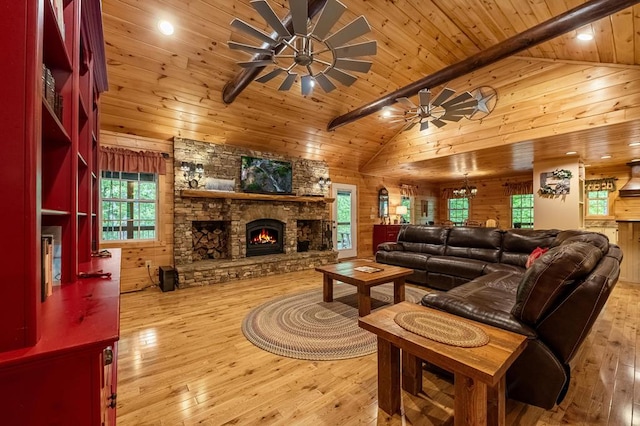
(194, 193)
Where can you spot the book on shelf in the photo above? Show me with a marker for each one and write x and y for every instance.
(368, 269)
(56, 232)
(47, 267)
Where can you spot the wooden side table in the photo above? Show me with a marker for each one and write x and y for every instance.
(479, 373)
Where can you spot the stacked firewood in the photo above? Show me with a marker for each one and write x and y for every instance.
(209, 244)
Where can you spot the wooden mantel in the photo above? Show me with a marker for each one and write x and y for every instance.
(194, 193)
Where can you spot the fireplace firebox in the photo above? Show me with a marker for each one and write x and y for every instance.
(265, 236)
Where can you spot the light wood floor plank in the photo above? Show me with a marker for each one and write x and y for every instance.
(183, 360)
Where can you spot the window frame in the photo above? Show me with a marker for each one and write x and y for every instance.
(450, 209)
(530, 198)
(604, 198)
(135, 201)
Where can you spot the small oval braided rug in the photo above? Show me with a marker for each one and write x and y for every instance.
(442, 329)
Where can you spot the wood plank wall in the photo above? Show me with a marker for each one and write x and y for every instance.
(160, 252)
(490, 203)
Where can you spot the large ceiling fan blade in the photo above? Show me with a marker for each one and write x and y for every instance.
(438, 123)
(330, 14)
(306, 84)
(270, 76)
(341, 76)
(253, 64)
(473, 103)
(299, 10)
(424, 125)
(248, 48)
(267, 13)
(353, 65)
(443, 96)
(252, 31)
(354, 50)
(451, 116)
(288, 82)
(354, 29)
(425, 97)
(406, 102)
(324, 82)
(462, 97)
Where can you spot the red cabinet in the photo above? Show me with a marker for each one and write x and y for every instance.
(384, 234)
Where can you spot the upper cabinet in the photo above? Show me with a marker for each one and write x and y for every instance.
(54, 71)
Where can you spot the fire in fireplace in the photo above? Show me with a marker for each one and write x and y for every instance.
(265, 236)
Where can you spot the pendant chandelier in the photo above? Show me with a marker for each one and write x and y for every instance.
(466, 190)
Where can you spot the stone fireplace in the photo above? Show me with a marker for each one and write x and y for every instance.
(214, 230)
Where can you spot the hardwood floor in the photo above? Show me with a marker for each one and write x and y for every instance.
(183, 360)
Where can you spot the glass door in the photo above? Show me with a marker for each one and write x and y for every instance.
(345, 216)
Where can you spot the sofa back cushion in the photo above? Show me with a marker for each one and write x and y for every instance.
(594, 238)
(474, 243)
(518, 244)
(551, 276)
(423, 239)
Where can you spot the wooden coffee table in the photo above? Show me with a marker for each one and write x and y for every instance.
(346, 272)
(479, 373)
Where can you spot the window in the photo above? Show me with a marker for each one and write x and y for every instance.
(458, 210)
(522, 211)
(406, 201)
(597, 203)
(129, 205)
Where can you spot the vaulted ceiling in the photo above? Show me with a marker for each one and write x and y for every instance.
(562, 95)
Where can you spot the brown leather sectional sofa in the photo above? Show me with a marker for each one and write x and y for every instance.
(554, 302)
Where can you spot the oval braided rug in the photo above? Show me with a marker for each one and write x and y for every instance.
(442, 329)
(302, 326)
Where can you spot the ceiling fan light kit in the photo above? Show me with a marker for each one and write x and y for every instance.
(325, 57)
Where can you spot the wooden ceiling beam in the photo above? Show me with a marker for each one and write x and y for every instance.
(554, 27)
(233, 88)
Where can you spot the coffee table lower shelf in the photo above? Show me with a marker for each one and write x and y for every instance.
(479, 373)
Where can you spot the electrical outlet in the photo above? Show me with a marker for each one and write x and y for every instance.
(147, 263)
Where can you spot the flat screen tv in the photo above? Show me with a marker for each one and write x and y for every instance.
(266, 176)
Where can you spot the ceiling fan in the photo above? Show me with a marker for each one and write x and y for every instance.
(445, 107)
(325, 57)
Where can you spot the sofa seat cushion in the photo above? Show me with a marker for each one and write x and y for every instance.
(456, 266)
(552, 276)
(502, 267)
(488, 299)
(404, 259)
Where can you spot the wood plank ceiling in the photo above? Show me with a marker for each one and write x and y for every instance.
(562, 95)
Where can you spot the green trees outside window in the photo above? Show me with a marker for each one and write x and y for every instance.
(129, 205)
(406, 201)
(522, 211)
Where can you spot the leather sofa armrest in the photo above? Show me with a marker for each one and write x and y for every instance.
(390, 247)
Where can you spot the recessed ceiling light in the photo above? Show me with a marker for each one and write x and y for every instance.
(571, 153)
(585, 36)
(604, 157)
(635, 159)
(587, 165)
(165, 27)
(634, 144)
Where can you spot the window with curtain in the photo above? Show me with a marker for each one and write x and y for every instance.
(129, 193)
(598, 203)
(458, 210)
(522, 211)
(129, 205)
